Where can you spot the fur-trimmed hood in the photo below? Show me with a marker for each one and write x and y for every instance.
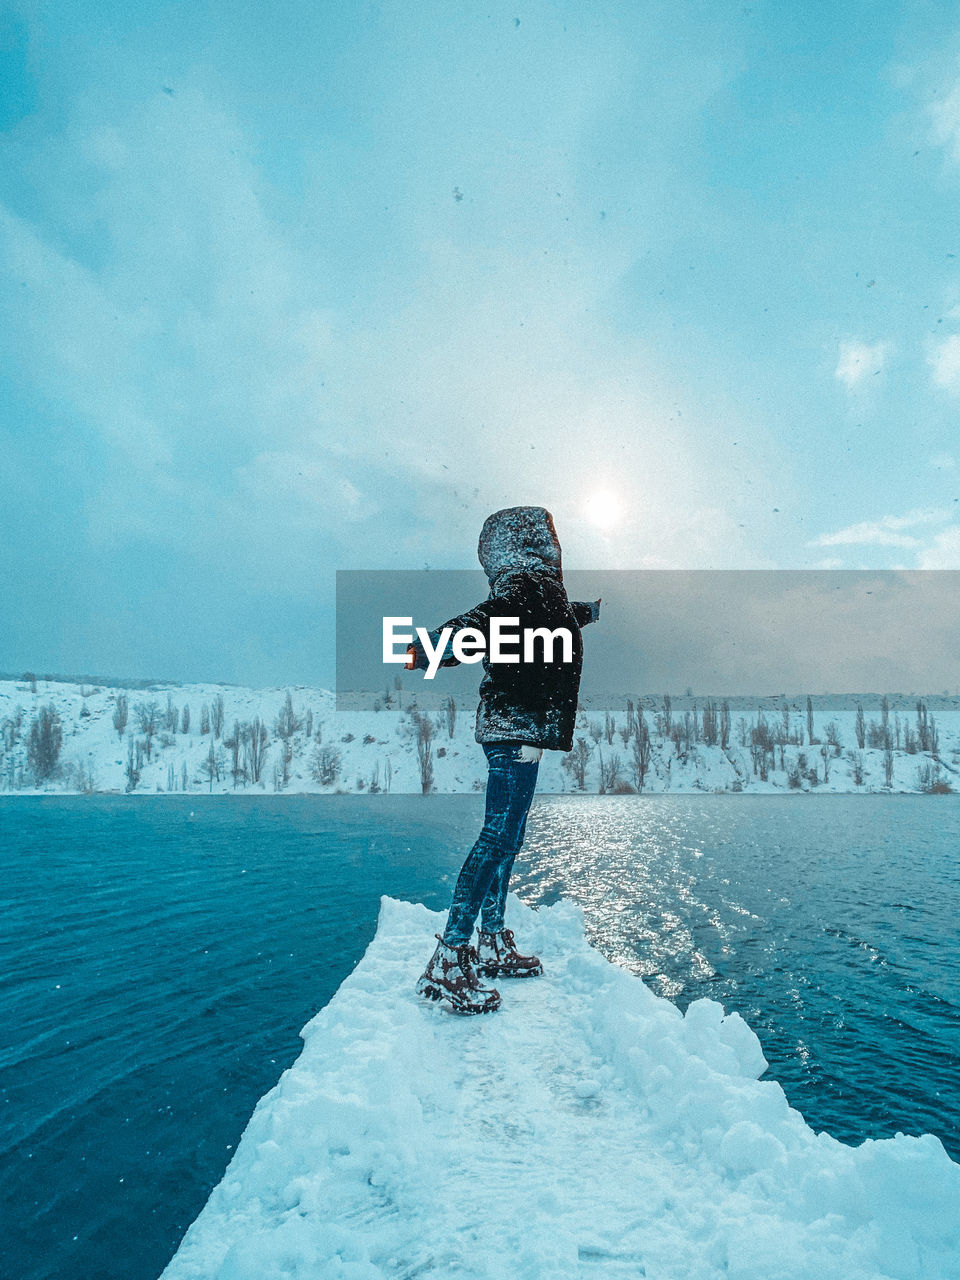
(519, 538)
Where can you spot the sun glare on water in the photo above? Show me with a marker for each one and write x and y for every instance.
(603, 509)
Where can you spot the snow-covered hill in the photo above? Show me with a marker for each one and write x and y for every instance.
(587, 1129)
(217, 738)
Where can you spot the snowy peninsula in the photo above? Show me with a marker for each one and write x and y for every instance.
(588, 1129)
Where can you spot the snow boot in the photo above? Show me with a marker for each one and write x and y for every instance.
(498, 957)
(450, 977)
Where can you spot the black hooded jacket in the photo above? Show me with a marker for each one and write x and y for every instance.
(532, 702)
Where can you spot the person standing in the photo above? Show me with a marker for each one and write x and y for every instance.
(526, 707)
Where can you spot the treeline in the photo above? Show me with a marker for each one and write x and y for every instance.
(617, 753)
(30, 678)
(634, 745)
(248, 752)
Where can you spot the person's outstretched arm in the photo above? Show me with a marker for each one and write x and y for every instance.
(586, 611)
(478, 618)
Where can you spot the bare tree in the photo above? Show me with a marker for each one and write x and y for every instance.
(931, 781)
(576, 762)
(325, 765)
(810, 738)
(450, 707)
(255, 739)
(627, 732)
(211, 765)
(725, 725)
(171, 716)
(12, 726)
(780, 741)
(711, 724)
(134, 763)
(121, 712)
(610, 771)
(204, 719)
(281, 769)
(762, 746)
(185, 718)
(216, 716)
(234, 745)
(86, 778)
(44, 742)
(425, 753)
(641, 751)
(927, 736)
(148, 716)
(287, 722)
(860, 728)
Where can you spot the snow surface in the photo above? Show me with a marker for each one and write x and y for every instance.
(587, 1129)
(377, 750)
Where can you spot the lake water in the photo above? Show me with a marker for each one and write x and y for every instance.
(161, 955)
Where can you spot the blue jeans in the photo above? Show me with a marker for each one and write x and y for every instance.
(481, 887)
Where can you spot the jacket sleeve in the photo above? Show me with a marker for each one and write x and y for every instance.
(585, 611)
(478, 618)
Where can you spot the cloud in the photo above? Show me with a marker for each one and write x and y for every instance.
(944, 360)
(943, 461)
(945, 122)
(241, 399)
(251, 357)
(859, 360)
(885, 532)
(943, 552)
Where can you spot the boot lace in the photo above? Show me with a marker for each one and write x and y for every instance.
(467, 957)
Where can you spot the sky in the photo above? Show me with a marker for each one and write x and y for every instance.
(296, 288)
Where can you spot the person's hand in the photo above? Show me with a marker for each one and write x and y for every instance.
(411, 658)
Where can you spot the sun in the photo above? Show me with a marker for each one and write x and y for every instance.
(603, 509)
